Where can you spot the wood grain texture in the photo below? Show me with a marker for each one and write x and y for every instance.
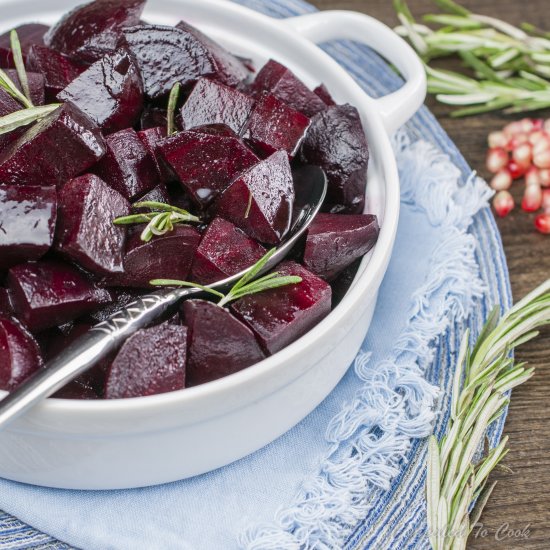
(522, 498)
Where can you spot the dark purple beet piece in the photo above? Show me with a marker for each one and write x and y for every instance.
(19, 354)
(157, 194)
(36, 85)
(110, 92)
(127, 166)
(205, 164)
(6, 309)
(281, 82)
(166, 55)
(336, 142)
(219, 344)
(151, 361)
(93, 30)
(49, 293)
(224, 250)
(53, 151)
(260, 200)
(57, 69)
(221, 130)
(151, 138)
(322, 92)
(27, 223)
(334, 241)
(280, 316)
(229, 69)
(77, 389)
(273, 125)
(214, 103)
(164, 257)
(85, 230)
(29, 34)
(8, 104)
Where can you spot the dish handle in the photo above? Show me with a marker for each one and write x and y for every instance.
(398, 107)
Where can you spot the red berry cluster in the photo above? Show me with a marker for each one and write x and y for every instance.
(522, 149)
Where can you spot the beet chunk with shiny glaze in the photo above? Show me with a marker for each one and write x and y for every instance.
(166, 55)
(334, 241)
(224, 250)
(93, 30)
(49, 293)
(151, 361)
(205, 164)
(281, 315)
(85, 230)
(168, 256)
(336, 142)
(110, 92)
(127, 166)
(260, 200)
(151, 139)
(273, 125)
(219, 344)
(230, 69)
(36, 83)
(59, 71)
(278, 80)
(19, 354)
(213, 103)
(27, 223)
(59, 147)
(28, 34)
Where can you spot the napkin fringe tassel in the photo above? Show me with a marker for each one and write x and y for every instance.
(371, 436)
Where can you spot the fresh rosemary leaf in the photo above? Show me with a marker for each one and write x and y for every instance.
(172, 103)
(20, 65)
(7, 84)
(25, 117)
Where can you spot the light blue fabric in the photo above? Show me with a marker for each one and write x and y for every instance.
(264, 501)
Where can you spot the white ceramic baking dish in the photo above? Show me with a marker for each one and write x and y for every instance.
(157, 439)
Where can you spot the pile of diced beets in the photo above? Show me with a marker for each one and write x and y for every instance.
(65, 266)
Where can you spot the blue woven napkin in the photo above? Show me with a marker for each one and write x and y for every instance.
(351, 475)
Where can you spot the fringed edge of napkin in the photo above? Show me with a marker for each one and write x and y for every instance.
(370, 436)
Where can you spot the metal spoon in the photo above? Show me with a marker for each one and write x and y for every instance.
(105, 337)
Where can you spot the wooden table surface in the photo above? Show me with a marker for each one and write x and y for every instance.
(521, 499)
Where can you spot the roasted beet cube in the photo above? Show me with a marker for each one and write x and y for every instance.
(205, 164)
(281, 315)
(168, 256)
(8, 104)
(336, 142)
(334, 241)
(93, 30)
(36, 85)
(49, 293)
(229, 69)
(127, 166)
(58, 71)
(53, 151)
(322, 92)
(27, 223)
(224, 250)
(219, 344)
(6, 310)
(85, 230)
(214, 103)
(157, 194)
(260, 200)
(151, 138)
(110, 92)
(19, 354)
(151, 361)
(281, 82)
(28, 34)
(166, 55)
(273, 125)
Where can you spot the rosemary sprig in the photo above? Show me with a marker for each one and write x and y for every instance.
(172, 103)
(20, 65)
(245, 286)
(162, 218)
(511, 65)
(484, 375)
(24, 117)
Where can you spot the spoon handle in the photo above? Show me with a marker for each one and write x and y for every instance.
(87, 350)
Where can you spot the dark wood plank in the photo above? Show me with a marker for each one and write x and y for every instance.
(521, 498)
